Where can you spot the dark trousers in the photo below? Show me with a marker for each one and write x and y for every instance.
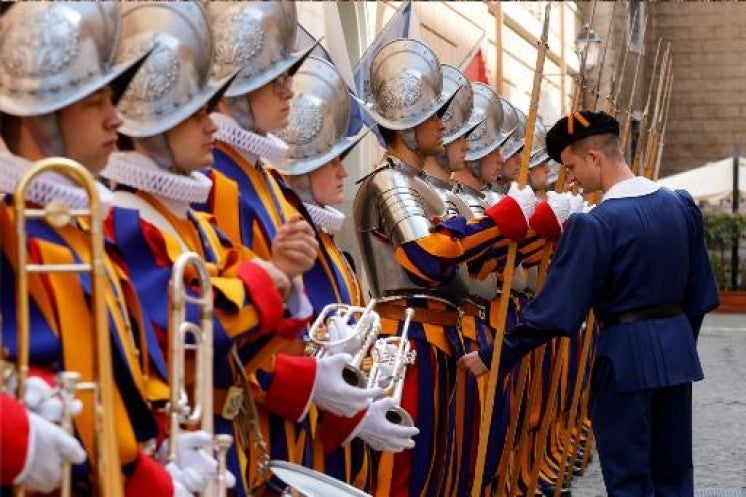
(644, 437)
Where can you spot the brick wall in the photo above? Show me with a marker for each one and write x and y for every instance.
(708, 106)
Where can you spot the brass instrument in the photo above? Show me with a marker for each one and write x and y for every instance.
(200, 412)
(364, 333)
(391, 356)
(58, 214)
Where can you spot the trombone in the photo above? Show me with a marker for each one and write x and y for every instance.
(391, 356)
(180, 412)
(58, 214)
(358, 342)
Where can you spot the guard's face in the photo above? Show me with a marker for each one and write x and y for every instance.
(456, 151)
(511, 167)
(327, 182)
(89, 129)
(270, 104)
(191, 142)
(539, 176)
(584, 170)
(491, 165)
(430, 136)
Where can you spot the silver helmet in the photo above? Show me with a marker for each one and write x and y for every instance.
(515, 121)
(255, 38)
(539, 153)
(53, 54)
(458, 118)
(318, 120)
(405, 85)
(491, 133)
(173, 83)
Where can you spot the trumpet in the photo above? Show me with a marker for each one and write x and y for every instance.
(358, 342)
(391, 356)
(58, 214)
(200, 412)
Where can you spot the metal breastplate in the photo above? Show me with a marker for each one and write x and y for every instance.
(443, 189)
(394, 206)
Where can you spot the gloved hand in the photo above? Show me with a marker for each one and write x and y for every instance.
(380, 433)
(338, 329)
(46, 401)
(560, 204)
(526, 199)
(576, 203)
(179, 490)
(48, 448)
(333, 394)
(195, 466)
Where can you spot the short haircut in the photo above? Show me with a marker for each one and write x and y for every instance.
(608, 144)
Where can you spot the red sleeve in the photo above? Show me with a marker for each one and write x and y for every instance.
(334, 430)
(264, 295)
(289, 395)
(508, 217)
(149, 478)
(544, 222)
(14, 438)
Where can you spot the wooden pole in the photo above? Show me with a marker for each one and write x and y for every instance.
(644, 118)
(510, 267)
(631, 101)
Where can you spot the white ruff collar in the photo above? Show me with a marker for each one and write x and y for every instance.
(632, 187)
(140, 172)
(47, 187)
(328, 218)
(269, 147)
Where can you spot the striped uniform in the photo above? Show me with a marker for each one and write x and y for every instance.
(61, 323)
(249, 313)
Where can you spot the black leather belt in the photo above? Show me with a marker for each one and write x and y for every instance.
(664, 311)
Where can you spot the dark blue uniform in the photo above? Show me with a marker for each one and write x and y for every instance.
(641, 251)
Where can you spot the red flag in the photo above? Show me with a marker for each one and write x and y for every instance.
(476, 70)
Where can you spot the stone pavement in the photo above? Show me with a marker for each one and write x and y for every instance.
(719, 415)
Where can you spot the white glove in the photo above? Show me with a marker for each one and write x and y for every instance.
(576, 203)
(194, 466)
(526, 199)
(179, 490)
(46, 401)
(587, 207)
(560, 205)
(48, 448)
(380, 433)
(333, 394)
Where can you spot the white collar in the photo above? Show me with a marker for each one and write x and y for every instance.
(327, 218)
(140, 172)
(632, 187)
(269, 147)
(47, 187)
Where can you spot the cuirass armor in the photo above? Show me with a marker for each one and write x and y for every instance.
(395, 205)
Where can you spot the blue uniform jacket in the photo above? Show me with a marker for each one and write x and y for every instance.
(629, 253)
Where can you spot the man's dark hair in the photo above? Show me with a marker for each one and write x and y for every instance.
(608, 144)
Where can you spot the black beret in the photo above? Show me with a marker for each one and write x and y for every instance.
(577, 126)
